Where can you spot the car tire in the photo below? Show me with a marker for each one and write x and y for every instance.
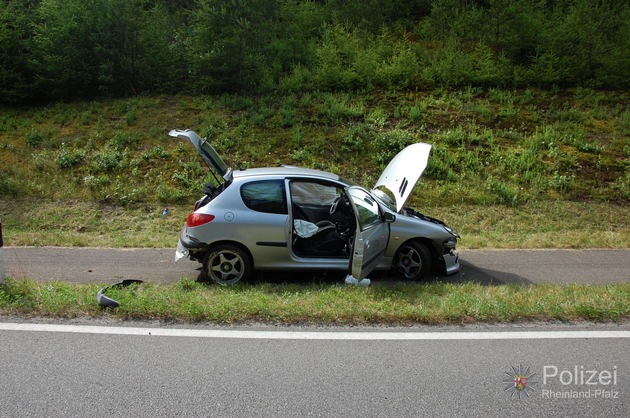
(227, 264)
(412, 261)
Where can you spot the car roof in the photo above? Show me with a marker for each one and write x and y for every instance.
(286, 171)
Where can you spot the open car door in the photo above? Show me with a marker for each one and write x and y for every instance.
(372, 233)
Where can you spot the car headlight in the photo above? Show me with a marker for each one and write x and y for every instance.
(451, 231)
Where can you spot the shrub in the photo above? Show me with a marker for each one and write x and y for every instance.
(451, 66)
(106, 160)
(131, 117)
(34, 138)
(69, 157)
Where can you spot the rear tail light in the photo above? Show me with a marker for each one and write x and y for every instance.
(198, 219)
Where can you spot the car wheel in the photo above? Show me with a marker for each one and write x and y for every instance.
(227, 264)
(412, 260)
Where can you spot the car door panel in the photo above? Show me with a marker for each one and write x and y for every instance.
(372, 233)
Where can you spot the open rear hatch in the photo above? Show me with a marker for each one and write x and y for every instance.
(206, 150)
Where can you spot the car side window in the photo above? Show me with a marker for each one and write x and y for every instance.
(267, 196)
(367, 208)
(310, 193)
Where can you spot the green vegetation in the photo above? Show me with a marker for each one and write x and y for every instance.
(508, 92)
(60, 49)
(433, 303)
(571, 145)
(508, 168)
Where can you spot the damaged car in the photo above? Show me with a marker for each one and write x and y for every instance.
(292, 218)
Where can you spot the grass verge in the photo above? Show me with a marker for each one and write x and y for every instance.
(547, 224)
(328, 304)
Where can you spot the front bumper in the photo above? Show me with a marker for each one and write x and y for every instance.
(451, 262)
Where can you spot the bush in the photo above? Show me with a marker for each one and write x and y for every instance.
(106, 160)
(34, 138)
(451, 66)
(69, 157)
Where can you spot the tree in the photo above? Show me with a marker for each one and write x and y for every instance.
(16, 78)
(84, 48)
(591, 39)
(229, 41)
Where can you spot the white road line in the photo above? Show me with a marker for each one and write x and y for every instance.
(310, 335)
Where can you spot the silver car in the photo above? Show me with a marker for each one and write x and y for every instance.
(291, 218)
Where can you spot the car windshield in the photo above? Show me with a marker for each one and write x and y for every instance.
(380, 196)
(384, 199)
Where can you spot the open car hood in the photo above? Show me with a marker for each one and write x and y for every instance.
(206, 150)
(403, 171)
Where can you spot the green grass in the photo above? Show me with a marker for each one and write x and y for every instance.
(394, 304)
(547, 224)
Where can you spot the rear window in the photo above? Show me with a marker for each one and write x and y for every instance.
(265, 196)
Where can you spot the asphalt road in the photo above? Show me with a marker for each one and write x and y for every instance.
(84, 265)
(88, 374)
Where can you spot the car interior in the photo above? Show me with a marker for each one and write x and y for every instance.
(328, 209)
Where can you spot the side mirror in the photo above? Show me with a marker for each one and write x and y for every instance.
(389, 217)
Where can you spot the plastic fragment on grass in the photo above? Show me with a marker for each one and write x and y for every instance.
(106, 301)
